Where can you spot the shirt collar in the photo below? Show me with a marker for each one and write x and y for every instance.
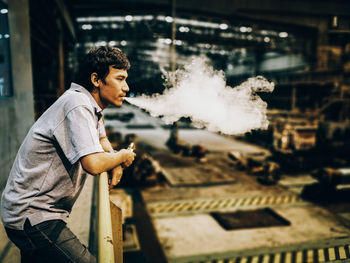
(76, 87)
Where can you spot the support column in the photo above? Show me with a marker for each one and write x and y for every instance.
(16, 111)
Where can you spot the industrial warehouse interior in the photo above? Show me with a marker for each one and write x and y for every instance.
(239, 112)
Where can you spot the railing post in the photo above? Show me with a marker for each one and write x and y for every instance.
(117, 230)
(105, 234)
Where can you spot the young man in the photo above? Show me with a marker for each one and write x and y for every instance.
(47, 175)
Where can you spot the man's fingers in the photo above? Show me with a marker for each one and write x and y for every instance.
(115, 180)
(116, 176)
(127, 163)
(130, 160)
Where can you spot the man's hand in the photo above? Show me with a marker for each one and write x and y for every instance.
(115, 176)
(128, 157)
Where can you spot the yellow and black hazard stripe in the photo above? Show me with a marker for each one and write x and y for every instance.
(225, 203)
(316, 255)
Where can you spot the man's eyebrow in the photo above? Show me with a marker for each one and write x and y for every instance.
(121, 75)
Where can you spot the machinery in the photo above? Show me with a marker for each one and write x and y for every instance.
(291, 134)
(257, 163)
(332, 177)
(334, 130)
(333, 184)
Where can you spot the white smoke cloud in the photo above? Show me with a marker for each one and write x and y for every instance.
(200, 93)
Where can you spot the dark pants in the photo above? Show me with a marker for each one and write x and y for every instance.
(49, 241)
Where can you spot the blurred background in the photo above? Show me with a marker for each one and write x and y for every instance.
(192, 195)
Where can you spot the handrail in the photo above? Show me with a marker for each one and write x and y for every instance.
(105, 232)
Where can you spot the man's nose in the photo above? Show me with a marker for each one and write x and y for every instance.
(126, 87)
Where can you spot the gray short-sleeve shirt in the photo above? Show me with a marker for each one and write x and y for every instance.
(46, 177)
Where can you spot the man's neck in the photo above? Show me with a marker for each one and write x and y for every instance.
(96, 95)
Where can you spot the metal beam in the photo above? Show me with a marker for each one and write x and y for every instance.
(226, 7)
(66, 17)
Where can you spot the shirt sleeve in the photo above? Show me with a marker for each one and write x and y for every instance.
(78, 134)
(101, 128)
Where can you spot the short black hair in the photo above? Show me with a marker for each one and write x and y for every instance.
(98, 60)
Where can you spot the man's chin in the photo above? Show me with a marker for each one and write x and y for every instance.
(118, 103)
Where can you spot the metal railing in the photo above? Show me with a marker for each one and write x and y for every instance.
(110, 237)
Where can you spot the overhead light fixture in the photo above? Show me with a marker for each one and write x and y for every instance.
(267, 39)
(128, 18)
(86, 27)
(335, 21)
(169, 19)
(101, 43)
(243, 29)
(4, 11)
(123, 43)
(283, 34)
(223, 26)
(184, 29)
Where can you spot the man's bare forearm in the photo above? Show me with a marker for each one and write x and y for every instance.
(104, 161)
(106, 145)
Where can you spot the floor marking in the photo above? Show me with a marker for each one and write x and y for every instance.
(288, 257)
(266, 259)
(255, 259)
(331, 253)
(310, 256)
(220, 204)
(321, 257)
(342, 253)
(299, 257)
(277, 258)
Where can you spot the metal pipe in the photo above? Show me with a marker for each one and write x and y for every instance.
(105, 234)
(173, 39)
(174, 128)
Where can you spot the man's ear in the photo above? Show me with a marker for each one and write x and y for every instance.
(94, 79)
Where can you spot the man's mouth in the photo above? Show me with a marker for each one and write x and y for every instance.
(122, 97)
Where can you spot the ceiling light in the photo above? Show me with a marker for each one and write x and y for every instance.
(184, 29)
(283, 34)
(223, 26)
(128, 18)
(243, 29)
(101, 43)
(169, 19)
(86, 26)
